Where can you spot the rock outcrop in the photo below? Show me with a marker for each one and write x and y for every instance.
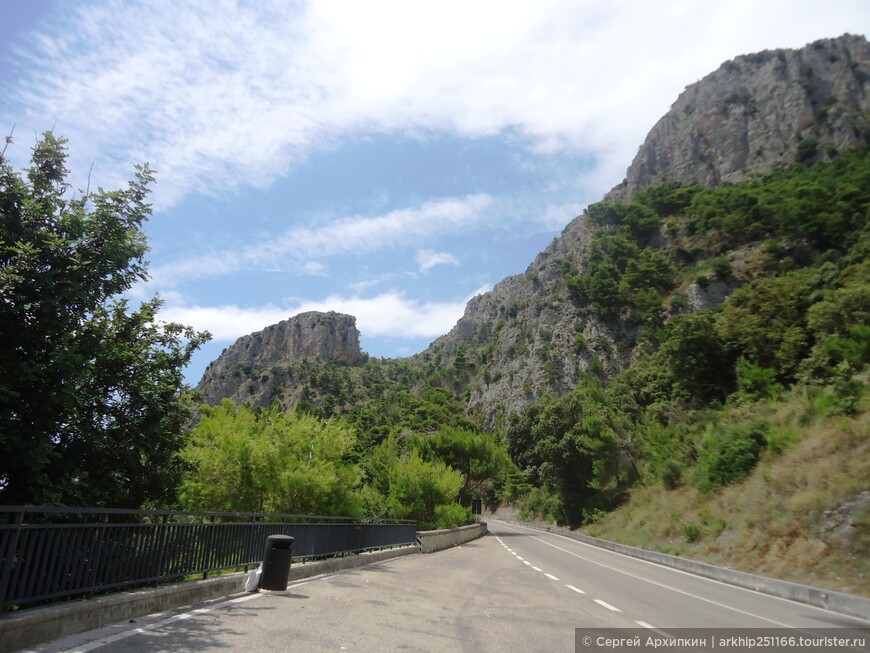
(758, 112)
(754, 114)
(254, 366)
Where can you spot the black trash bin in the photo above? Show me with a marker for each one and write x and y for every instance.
(276, 563)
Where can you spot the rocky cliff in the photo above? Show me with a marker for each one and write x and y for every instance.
(758, 112)
(259, 366)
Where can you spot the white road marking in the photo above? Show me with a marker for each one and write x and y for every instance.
(662, 585)
(90, 646)
(520, 558)
(576, 589)
(607, 605)
(551, 576)
(661, 632)
(537, 568)
(676, 571)
(526, 562)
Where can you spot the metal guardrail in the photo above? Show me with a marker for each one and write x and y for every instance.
(53, 553)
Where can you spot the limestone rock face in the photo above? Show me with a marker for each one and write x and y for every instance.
(529, 335)
(758, 112)
(754, 114)
(238, 373)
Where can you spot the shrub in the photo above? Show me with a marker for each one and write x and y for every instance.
(451, 515)
(779, 439)
(756, 382)
(672, 475)
(728, 455)
(692, 532)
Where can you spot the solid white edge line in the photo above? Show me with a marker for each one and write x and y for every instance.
(679, 571)
(663, 585)
(105, 641)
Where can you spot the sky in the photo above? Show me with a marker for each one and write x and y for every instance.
(390, 160)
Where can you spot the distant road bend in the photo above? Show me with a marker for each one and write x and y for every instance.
(518, 589)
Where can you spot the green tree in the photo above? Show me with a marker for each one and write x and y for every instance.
(92, 402)
(479, 457)
(426, 492)
(765, 321)
(270, 461)
(578, 447)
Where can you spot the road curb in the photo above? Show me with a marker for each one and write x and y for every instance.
(847, 604)
(26, 628)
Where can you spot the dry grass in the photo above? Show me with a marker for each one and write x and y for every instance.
(800, 516)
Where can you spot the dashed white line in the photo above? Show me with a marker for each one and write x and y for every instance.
(663, 585)
(520, 558)
(576, 589)
(537, 568)
(644, 624)
(526, 562)
(551, 576)
(607, 605)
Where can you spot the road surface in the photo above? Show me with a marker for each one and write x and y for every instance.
(517, 589)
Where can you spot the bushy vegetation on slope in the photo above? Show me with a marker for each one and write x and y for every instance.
(794, 247)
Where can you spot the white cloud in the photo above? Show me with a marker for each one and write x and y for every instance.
(220, 95)
(350, 235)
(390, 314)
(314, 269)
(428, 259)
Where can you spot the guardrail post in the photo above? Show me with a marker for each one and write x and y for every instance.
(8, 559)
(249, 547)
(209, 538)
(95, 555)
(161, 549)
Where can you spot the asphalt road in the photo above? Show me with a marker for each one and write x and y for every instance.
(516, 590)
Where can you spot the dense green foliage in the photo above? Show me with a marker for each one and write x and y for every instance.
(793, 247)
(269, 460)
(91, 404)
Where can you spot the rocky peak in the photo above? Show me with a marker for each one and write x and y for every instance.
(238, 373)
(758, 112)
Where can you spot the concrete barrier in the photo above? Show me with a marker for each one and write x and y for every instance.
(856, 606)
(42, 624)
(432, 541)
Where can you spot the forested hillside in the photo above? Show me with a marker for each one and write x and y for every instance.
(794, 248)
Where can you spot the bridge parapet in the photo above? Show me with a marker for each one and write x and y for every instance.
(432, 541)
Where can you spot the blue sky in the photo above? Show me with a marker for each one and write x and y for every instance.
(385, 159)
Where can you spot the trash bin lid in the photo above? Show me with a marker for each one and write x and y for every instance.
(279, 542)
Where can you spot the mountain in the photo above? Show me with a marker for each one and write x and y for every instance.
(544, 330)
(259, 368)
(756, 113)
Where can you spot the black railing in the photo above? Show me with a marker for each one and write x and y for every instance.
(54, 553)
